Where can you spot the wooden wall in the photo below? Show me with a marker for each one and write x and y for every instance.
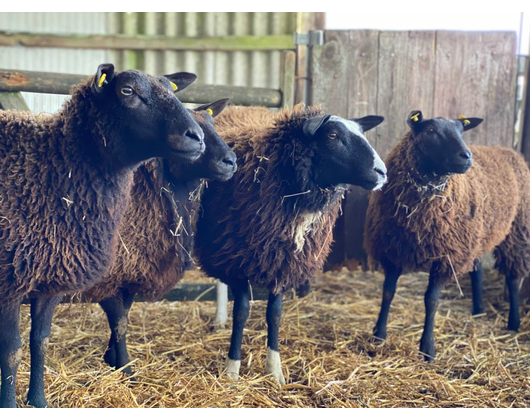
(390, 73)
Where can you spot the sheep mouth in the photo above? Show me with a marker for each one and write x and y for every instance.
(221, 172)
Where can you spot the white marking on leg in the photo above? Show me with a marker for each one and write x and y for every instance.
(232, 368)
(273, 366)
(221, 309)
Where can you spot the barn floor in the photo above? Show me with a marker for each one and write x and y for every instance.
(328, 355)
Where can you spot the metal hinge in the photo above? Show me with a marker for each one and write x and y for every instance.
(310, 39)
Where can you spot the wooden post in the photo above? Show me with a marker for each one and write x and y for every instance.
(287, 78)
(524, 130)
(131, 59)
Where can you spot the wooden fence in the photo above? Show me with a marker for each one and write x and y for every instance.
(442, 73)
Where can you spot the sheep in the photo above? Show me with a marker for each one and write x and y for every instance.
(64, 185)
(270, 225)
(445, 206)
(157, 230)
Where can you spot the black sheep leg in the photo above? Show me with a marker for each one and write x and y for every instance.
(432, 297)
(10, 352)
(392, 274)
(477, 288)
(273, 363)
(117, 309)
(42, 309)
(513, 291)
(304, 289)
(240, 316)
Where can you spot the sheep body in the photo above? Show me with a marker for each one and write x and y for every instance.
(445, 206)
(269, 233)
(80, 223)
(473, 214)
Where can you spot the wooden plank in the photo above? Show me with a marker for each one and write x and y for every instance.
(149, 42)
(40, 82)
(476, 77)
(525, 129)
(13, 100)
(406, 82)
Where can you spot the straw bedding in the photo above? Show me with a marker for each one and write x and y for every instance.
(329, 357)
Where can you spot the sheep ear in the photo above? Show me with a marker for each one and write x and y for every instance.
(215, 108)
(312, 125)
(369, 122)
(469, 123)
(414, 120)
(103, 77)
(180, 81)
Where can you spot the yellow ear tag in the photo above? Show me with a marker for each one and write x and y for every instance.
(465, 121)
(209, 111)
(174, 86)
(102, 79)
(415, 117)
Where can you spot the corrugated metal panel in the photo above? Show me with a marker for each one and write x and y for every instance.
(256, 69)
(52, 59)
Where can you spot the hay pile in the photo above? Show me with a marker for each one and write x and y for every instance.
(329, 357)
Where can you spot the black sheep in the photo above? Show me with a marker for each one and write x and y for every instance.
(64, 186)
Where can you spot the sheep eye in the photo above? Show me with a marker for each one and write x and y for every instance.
(332, 135)
(430, 130)
(127, 91)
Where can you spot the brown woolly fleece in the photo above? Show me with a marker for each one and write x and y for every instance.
(486, 209)
(155, 238)
(270, 224)
(60, 200)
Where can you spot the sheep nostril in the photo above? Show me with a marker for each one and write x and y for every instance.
(229, 162)
(195, 135)
(466, 155)
(380, 171)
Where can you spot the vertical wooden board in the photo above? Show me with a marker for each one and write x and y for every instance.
(476, 77)
(330, 74)
(169, 58)
(406, 78)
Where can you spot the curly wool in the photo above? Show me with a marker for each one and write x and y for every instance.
(61, 201)
(156, 236)
(270, 224)
(413, 224)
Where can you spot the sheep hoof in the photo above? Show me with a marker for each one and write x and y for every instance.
(110, 357)
(232, 368)
(380, 334)
(218, 326)
(273, 366)
(427, 349)
(38, 401)
(513, 324)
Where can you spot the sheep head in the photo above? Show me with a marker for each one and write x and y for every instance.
(342, 154)
(145, 119)
(438, 147)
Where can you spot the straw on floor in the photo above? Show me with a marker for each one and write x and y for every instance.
(329, 356)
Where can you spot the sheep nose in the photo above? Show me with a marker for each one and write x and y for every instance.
(195, 135)
(380, 171)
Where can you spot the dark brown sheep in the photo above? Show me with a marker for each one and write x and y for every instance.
(65, 181)
(158, 228)
(444, 207)
(270, 225)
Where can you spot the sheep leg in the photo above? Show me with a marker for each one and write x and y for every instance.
(240, 316)
(221, 308)
(477, 288)
(392, 274)
(304, 289)
(273, 364)
(10, 353)
(513, 291)
(117, 309)
(432, 297)
(42, 309)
